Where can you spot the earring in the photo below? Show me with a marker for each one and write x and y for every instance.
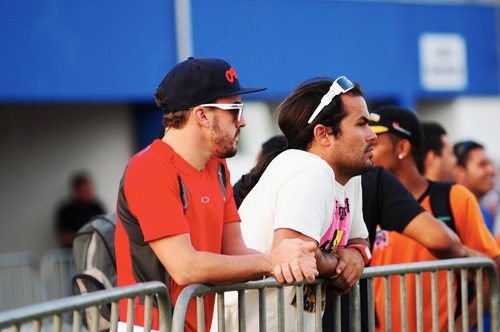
(400, 156)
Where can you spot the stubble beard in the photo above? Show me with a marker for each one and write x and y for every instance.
(226, 146)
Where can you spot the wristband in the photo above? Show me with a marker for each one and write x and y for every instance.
(363, 250)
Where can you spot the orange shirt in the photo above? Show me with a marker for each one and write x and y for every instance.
(398, 248)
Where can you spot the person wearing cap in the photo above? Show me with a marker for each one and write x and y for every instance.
(309, 189)
(176, 214)
(397, 148)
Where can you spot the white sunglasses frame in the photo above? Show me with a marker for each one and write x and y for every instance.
(335, 90)
(227, 107)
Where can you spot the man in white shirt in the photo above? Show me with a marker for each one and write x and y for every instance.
(311, 191)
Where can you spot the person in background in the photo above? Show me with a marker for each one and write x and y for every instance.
(476, 172)
(72, 214)
(398, 147)
(277, 142)
(438, 160)
(176, 217)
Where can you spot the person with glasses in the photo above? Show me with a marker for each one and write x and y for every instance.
(398, 146)
(176, 217)
(309, 189)
(476, 171)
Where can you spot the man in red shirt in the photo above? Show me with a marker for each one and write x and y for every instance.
(176, 212)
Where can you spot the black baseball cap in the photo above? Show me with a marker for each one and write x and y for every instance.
(200, 80)
(397, 120)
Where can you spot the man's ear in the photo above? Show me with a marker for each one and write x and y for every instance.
(403, 148)
(430, 159)
(322, 134)
(200, 116)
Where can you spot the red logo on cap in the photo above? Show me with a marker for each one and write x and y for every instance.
(231, 75)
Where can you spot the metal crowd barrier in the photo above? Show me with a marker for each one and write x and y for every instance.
(19, 280)
(38, 314)
(463, 265)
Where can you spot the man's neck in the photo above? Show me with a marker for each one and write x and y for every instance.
(189, 145)
(415, 182)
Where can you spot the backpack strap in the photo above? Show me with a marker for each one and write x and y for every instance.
(440, 202)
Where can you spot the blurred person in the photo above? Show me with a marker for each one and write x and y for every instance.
(309, 189)
(475, 171)
(398, 146)
(176, 220)
(438, 159)
(75, 212)
(274, 143)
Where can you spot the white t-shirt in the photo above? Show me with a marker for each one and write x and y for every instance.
(297, 191)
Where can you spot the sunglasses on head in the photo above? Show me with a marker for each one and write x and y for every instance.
(340, 85)
(227, 107)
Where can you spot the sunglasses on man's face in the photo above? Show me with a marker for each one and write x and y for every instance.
(340, 85)
(228, 107)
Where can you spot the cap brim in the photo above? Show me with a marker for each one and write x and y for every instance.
(242, 91)
(379, 129)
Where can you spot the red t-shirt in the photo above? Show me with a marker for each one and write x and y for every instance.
(152, 195)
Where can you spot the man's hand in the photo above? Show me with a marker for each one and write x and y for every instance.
(349, 269)
(294, 260)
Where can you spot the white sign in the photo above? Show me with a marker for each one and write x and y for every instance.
(443, 62)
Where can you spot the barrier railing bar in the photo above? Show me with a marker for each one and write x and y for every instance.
(450, 298)
(319, 307)
(354, 309)
(299, 296)
(148, 309)
(465, 298)
(57, 323)
(281, 308)
(221, 327)
(404, 314)
(77, 303)
(434, 301)
(387, 303)
(371, 305)
(418, 306)
(262, 310)
(77, 321)
(242, 318)
(114, 317)
(200, 313)
(480, 299)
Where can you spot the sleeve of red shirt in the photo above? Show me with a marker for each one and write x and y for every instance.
(153, 194)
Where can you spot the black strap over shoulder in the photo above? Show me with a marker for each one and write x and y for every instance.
(440, 202)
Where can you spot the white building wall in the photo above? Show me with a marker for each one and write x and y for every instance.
(40, 147)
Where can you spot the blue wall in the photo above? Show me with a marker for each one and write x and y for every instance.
(280, 43)
(110, 50)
